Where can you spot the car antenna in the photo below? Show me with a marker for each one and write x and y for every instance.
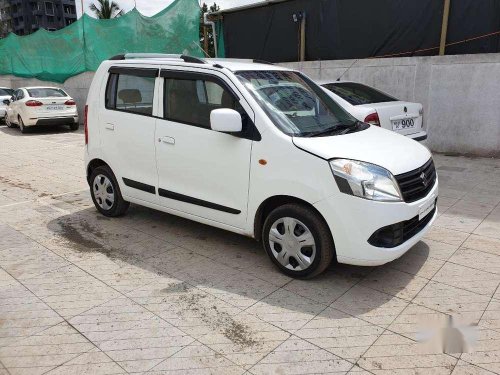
(345, 71)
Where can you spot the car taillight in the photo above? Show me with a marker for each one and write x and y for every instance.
(70, 102)
(33, 103)
(85, 126)
(373, 119)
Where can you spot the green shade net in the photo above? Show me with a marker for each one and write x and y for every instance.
(83, 45)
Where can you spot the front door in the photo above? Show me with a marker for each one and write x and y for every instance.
(128, 131)
(201, 172)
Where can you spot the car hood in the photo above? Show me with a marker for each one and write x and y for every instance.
(382, 147)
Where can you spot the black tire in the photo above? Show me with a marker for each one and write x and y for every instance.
(8, 123)
(325, 248)
(23, 128)
(74, 127)
(119, 206)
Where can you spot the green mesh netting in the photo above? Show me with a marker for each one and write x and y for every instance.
(82, 46)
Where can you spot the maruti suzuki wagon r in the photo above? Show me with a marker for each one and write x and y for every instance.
(259, 150)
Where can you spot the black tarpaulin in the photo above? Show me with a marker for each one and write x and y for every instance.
(343, 29)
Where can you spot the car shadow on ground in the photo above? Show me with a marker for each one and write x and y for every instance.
(38, 130)
(234, 268)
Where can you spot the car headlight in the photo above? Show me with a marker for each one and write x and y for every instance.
(365, 180)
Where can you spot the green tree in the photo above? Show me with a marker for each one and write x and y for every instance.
(207, 30)
(106, 9)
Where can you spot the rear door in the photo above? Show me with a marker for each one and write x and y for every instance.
(202, 172)
(128, 130)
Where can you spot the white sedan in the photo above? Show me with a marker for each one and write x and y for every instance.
(375, 107)
(5, 93)
(40, 106)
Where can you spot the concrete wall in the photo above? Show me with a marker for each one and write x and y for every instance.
(460, 94)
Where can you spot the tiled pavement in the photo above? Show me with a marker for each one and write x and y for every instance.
(156, 294)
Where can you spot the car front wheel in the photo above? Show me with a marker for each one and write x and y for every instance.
(298, 241)
(8, 123)
(106, 193)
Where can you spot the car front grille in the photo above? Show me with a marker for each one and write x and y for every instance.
(416, 184)
(396, 234)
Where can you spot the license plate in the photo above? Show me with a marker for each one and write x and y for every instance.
(55, 107)
(403, 124)
(426, 208)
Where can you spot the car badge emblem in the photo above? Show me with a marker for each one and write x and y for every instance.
(423, 177)
(405, 109)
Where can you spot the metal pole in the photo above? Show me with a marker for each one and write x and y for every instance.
(444, 27)
(303, 37)
(83, 11)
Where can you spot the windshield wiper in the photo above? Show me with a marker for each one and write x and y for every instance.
(333, 130)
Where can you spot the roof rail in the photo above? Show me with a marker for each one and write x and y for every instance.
(186, 58)
(257, 61)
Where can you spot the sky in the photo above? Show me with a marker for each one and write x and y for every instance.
(150, 7)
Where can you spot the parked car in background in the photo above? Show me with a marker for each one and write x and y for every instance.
(375, 107)
(259, 150)
(41, 106)
(5, 93)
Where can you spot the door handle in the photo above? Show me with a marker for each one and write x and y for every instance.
(167, 140)
(109, 126)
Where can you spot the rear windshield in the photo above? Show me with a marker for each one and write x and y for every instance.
(46, 92)
(6, 92)
(357, 94)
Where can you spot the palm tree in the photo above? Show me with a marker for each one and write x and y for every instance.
(106, 9)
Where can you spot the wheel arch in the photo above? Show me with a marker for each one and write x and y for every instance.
(93, 164)
(273, 202)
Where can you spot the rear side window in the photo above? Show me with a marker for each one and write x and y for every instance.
(190, 101)
(357, 94)
(129, 92)
(46, 92)
(5, 92)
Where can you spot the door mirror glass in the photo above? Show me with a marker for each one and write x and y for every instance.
(6, 101)
(226, 120)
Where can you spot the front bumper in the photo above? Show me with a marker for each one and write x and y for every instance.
(353, 220)
(3, 111)
(51, 121)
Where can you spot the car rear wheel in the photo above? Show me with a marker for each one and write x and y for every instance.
(298, 241)
(106, 193)
(21, 125)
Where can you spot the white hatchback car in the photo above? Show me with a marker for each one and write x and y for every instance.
(378, 108)
(258, 150)
(41, 106)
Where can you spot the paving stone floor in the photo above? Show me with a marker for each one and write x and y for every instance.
(153, 293)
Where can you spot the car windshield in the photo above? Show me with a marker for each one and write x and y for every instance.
(297, 106)
(357, 94)
(46, 92)
(6, 92)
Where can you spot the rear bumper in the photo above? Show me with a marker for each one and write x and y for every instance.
(48, 121)
(419, 137)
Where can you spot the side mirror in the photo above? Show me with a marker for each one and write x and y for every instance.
(226, 120)
(6, 101)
